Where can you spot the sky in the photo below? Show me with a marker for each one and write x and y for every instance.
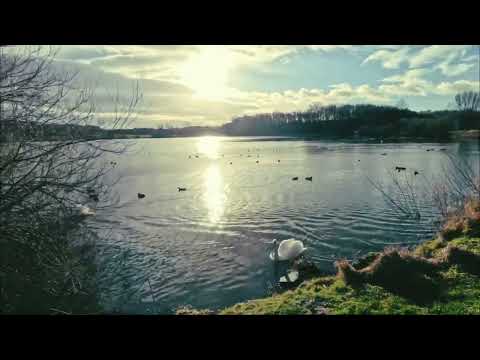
(210, 84)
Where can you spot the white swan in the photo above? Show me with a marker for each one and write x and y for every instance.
(85, 210)
(291, 277)
(289, 249)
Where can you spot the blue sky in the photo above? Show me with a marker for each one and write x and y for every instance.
(208, 85)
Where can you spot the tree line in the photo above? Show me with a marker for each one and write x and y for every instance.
(364, 120)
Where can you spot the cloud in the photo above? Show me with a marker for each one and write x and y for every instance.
(390, 59)
(448, 69)
(451, 88)
(411, 83)
(301, 99)
(166, 99)
(434, 53)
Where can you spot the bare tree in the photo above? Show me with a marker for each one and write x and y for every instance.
(459, 182)
(468, 101)
(403, 198)
(41, 181)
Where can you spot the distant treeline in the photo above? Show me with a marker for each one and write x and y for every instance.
(36, 131)
(355, 120)
(347, 121)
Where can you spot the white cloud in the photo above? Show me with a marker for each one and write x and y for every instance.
(411, 83)
(166, 99)
(448, 69)
(434, 53)
(390, 59)
(451, 88)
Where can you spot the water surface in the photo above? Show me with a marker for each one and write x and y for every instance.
(206, 247)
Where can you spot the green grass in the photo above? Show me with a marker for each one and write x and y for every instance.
(460, 295)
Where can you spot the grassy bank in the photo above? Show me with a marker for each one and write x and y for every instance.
(447, 267)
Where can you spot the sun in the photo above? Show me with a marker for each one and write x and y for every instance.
(207, 73)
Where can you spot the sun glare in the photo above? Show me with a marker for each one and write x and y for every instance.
(208, 146)
(207, 73)
(214, 195)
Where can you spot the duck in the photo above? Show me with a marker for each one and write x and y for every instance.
(140, 195)
(400, 168)
(94, 197)
(415, 173)
(295, 178)
(384, 154)
(309, 178)
(287, 250)
(85, 210)
(257, 161)
(182, 189)
(278, 160)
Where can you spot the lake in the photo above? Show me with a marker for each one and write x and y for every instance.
(208, 246)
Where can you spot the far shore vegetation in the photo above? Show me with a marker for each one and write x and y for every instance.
(356, 122)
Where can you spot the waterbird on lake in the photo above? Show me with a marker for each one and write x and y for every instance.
(257, 161)
(442, 149)
(400, 168)
(384, 154)
(416, 173)
(231, 163)
(278, 160)
(287, 250)
(94, 197)
(140, 195)
(85, 210)
(182, 189)
(309, 178)
(295, 178)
